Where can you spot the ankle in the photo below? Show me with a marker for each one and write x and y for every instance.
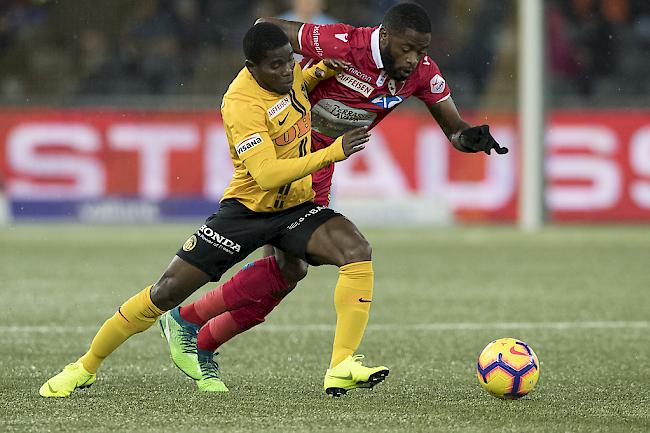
(189, 315)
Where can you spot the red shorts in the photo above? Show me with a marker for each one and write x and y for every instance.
(321, 180)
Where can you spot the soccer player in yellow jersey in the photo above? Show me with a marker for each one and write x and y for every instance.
(266, 114)
(387, 64)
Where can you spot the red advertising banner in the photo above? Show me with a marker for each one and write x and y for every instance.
(67, 164)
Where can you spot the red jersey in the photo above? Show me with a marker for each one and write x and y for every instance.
(363, 94)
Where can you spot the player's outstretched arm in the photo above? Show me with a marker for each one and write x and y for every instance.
(270, 172)
(464, 137)
(291, 28)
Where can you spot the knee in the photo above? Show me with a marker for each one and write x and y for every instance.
(164, 293)
(292, 269)
(280, 294)
(360, 251)
(293, 272)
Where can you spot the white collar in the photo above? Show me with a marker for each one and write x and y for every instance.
(374, 47)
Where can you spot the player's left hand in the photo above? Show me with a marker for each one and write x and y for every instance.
(479, 139)
(336, 64)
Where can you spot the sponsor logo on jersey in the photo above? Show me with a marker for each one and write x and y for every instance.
(341, 111)
(215, 239)
(355, 84)
(342, 37)
(297, 130)
(278, 107)
(248, 143)
(387, 101)
(190, 243)
(437, 84)
(315, 38)
(333, 118)
(357, 73)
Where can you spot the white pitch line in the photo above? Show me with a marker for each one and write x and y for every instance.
(417, 327)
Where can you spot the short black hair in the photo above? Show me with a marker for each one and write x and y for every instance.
(263, 37)
(407, 16)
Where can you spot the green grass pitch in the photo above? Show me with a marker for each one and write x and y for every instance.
(579, 296)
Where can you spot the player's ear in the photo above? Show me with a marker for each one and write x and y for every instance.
(383, 35)
(249, 65)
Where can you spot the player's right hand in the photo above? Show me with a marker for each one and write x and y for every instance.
(479, 139)
(338, 65)
(355, 140)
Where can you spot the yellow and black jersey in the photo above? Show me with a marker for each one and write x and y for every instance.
(270, 142)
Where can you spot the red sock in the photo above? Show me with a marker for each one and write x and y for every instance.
(253, 282)
(226, 325)
(217, 331)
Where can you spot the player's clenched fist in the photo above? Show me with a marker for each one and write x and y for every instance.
(355, 140)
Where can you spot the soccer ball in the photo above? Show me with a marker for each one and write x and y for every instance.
(507, 368)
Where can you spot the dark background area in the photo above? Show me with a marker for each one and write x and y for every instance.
(183, 53)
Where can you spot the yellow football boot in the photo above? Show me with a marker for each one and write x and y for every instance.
(350, 374)
(72, 377)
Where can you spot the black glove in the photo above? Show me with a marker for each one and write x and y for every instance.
(479, 139)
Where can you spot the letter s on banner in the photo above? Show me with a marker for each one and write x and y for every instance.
(64, 176)
(597, 168)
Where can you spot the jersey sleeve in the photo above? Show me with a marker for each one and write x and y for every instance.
(270, 172)
(432, 87)
(323, 41)
(245, 120)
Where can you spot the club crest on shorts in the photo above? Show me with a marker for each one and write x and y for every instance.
(190, 243)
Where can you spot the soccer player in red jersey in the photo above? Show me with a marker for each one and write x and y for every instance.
(388, 64)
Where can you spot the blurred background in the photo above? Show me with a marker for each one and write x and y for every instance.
(99, 83)
(139, 53)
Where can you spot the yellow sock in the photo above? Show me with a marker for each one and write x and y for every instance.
(135, 315)
(352, 297)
